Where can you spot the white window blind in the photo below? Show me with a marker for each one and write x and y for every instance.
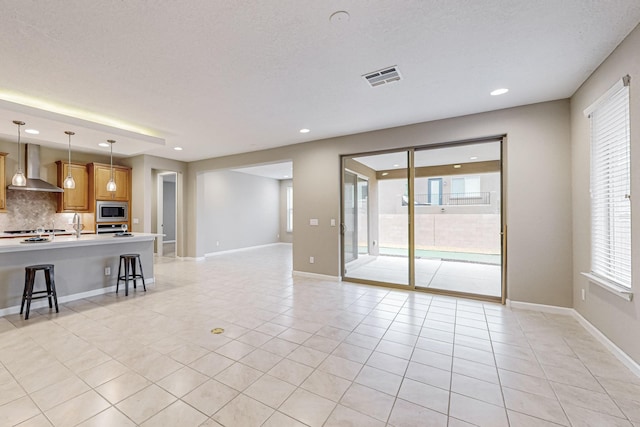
(610, 187)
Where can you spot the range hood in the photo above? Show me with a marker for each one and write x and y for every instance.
(34, 183)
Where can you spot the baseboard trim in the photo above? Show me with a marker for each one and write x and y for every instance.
(595, 332)
(552, 309)
(610, 345)
(67, 298)
(211, 254)
(315, 276)
(190, 258)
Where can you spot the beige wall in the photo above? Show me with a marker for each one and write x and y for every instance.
(538, 192)
(239, 210)
(618, 319)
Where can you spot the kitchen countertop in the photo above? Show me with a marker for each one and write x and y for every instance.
(69, 241)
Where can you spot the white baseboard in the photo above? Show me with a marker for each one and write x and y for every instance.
(67, 298)
(553, 309)
(595, 332)
(210, 254)
(610, 345)
(316, 276)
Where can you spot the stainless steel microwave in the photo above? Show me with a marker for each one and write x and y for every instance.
(112, 211)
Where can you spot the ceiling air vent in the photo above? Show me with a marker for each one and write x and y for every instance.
(387, 75)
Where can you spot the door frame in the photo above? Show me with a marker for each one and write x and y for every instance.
(502, 139)
(160, 211)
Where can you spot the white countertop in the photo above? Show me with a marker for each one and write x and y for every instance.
(65, 241)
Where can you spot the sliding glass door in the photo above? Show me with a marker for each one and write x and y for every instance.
(428, 218)
(458, 229)
(375, 218)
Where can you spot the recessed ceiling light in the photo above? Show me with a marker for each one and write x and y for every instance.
(304, 130)
(396, 166)
(32, 131)
(177, 148)
(473, 158)
(286, 176)
(103, 144)
(500, 91)
(457, 166)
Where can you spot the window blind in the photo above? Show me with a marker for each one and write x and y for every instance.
(611, 187)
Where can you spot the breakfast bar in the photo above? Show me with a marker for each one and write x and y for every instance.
(81, 264)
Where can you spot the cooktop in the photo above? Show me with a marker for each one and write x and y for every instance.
(46, 230)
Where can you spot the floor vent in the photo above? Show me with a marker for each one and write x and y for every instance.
(387, 75)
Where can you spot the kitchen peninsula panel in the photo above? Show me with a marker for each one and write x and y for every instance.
(79, 264)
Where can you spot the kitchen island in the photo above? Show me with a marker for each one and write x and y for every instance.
(80, 265)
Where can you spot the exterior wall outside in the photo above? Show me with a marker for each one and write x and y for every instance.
(535, 158)
(476, 233)
(285, 236)
(471, 228)
(618, 319)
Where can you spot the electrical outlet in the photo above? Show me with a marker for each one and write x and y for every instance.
(107, 271)
(136, 220)
(217, 243)
(311, 260)
(584, 294)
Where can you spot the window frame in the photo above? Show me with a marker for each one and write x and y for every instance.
(610, 190)
(289, 198)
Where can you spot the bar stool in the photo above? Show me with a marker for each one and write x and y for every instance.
(29, 281)
(129, 263)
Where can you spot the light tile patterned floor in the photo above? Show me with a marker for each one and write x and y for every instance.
(299, 352)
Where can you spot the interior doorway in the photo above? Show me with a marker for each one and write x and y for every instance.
(166, 214)
(433, 219)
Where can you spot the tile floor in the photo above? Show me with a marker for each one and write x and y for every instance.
(459, 276)
(298, 352)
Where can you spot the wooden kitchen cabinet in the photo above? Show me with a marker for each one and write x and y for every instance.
(74, 199)
(3, 184)
(99, 175)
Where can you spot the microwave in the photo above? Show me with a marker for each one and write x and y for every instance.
(112, 211)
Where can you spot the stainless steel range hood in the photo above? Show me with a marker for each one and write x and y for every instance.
(34, 183)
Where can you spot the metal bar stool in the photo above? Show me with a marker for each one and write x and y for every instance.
(130, 263)
(29, 281)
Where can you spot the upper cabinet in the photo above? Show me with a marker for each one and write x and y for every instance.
(3, 191)
(99, 175)
(73, 199)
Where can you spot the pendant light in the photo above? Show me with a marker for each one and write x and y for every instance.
(69, 182)
(19, 179)
(111, 185)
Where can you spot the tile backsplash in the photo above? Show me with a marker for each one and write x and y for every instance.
(32, 209)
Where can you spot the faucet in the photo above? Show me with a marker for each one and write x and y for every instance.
(77, 225)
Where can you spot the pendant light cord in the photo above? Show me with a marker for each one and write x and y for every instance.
(19, 123)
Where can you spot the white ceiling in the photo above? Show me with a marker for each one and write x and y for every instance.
(226, 76)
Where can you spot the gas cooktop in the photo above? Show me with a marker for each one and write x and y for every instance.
(46, 231)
